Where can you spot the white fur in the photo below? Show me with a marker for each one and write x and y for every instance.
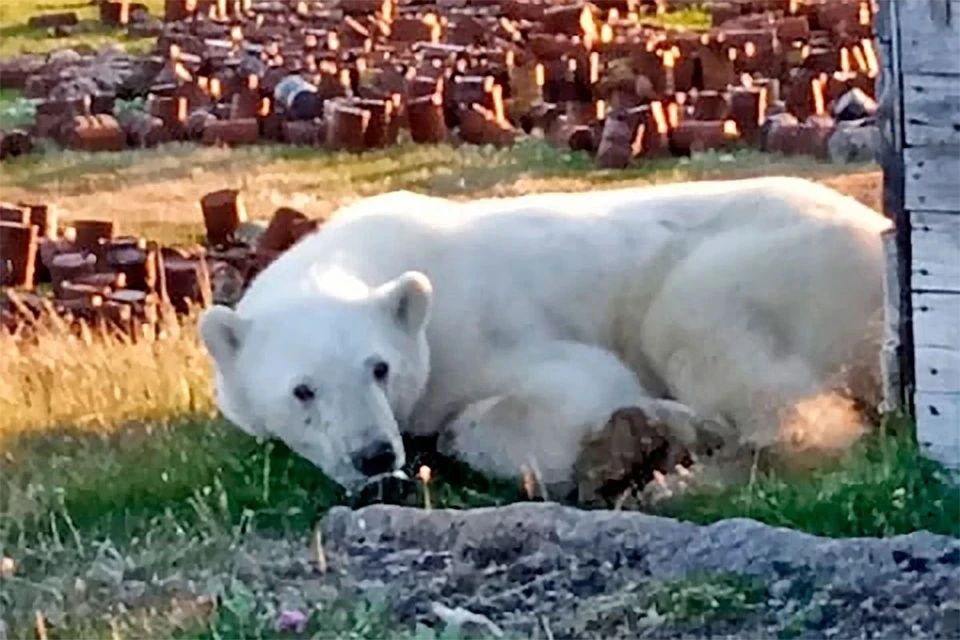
(542, 314)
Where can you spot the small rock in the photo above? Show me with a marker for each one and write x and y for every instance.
(249, 232)
(951, 620)
(132, 591)
(951, 557)
(55, 20)
(64, 57)
(149, 27)
(775, 120)
(291, 599)
(781, 588)
(854, 141)
(247, 567)
(197, 122)
(466, 620)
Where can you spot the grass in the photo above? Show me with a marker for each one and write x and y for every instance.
(246, 616)
(8, 97)
(682, 18)
(707, 602)
(710, 597)
(883, 486)
(17, 38)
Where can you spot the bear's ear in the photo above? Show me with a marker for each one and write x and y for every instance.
(407, 299)
(222, 330)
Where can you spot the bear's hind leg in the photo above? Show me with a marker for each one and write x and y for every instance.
(548, 398)
(772, 399)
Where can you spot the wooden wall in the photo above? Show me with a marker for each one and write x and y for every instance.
(919, 94)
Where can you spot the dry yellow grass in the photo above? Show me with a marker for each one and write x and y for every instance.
(94, 382)
(17, 38)
(157, 192)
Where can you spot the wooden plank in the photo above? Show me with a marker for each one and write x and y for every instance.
(882, 21)
(890, 155)
(936, 320)
(938, 369)
(890, 361)
(938, 426)
(931, 106)
(930, 38)
(932, 178)
(936, 251)
(889, 111)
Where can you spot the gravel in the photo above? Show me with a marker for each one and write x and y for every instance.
(529, 567)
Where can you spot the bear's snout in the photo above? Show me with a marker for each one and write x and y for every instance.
(375, 459)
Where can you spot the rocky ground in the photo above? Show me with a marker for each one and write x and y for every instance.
(539, 570)
(542, 570)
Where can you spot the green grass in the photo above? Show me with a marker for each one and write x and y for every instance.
(882, 487)
(15, 110)
(683, 18)
(709, 597)
(195, 472)
(8, 97)
(17, 38)
(438, 168)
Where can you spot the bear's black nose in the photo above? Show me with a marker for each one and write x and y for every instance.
(375, 459)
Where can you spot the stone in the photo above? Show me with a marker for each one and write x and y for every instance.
(854, 141)
(149, 27)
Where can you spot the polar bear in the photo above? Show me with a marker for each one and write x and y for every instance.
(516, 326)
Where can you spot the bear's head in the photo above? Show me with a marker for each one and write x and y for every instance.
(332, 375)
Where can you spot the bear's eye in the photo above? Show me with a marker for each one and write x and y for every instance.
(303, 393)
(380, 371)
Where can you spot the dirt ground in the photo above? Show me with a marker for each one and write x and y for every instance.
(865, 187)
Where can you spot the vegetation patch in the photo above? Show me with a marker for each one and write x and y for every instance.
(883, 486)
(18, 37)
(708, 598)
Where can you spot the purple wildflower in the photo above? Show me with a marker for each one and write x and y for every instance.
(290, 621)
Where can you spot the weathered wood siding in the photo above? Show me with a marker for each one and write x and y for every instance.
(919, 94)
